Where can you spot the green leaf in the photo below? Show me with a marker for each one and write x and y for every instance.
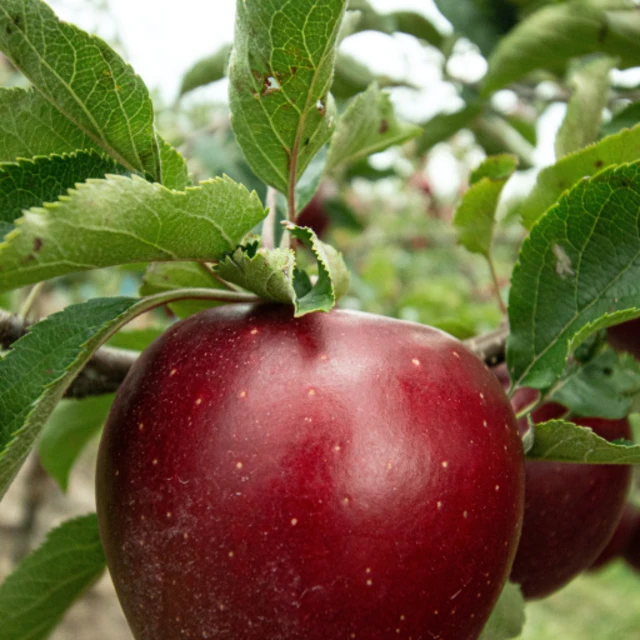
(39, 368)
(554, 180)
(578, 272)
(482, 21)
(274, 275)
(30, 183)
(67, 432)
(590, 96)
(564, 441)
(474, 219)
(368, 126)
(445, 125)
(497, 135)
(351, 77)
(163, 277)
(32, 127)
(135, 339)
(85, 80)
(35, 597)
(507, 618)
(207, 70)
(625, 119)
(604, 387)
(280, 75)
(123, 220)
(556, 33)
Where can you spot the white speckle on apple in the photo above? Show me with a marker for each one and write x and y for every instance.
(481, 396)
(169, 514)
(173, 372)
(456, 354)
(155, 461)
(484, 423)
(294, 522)
(243, 394)
(117, 472)
(445, 464)
(254, 332)
(497, 487)
(239, 465)
(231, 554)
(337, 448)
(439, 504)
(465, 514)
(141, 426)
(416, 362)
(311, 392)
(369, 582)
(199, 401)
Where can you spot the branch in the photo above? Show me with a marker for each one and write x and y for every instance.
(107, 369)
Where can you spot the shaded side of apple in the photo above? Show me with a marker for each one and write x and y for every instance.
(626, 337)
(631, 551)
(620, 539)
(571, 510)
(340, 475)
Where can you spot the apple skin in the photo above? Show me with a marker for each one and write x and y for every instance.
(340, 475)
(626, 337)
(571, 510)
(620, 539)
(631, 552)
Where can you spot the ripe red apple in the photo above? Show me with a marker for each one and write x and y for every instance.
(571, 510)
(340, 475)
(621, 537)
(626, 337)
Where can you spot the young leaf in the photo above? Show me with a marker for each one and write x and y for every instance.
(564, 441)
(273, 274)
(32, 127)
(207, 70)
(507, 618)
(604, 387)
(368, 126)
(556, 33)
(281, 71)
(68, 430)
(474, 219)
(123, 220)
(552, 181)
(584, 112)
(579, 271)
(47, 582)
(30, 183)
(415, 24)
(85, 80)
(39, 368)
(445, 125)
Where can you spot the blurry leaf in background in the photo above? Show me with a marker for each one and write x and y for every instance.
(578, 272)
(136, 339)
(35, 597)
(418, 26)
(554, 180)
(207, 70)
(368, 126)
(497, 135)
(122, 220)
(625, 119)
(445, 125)
(70, 427)
(556, 33)
(507, 618)
(581, 125)
(604, 387)
(30, 183)
(107, 101)
(483, 22)
(169, 276)
(281, 109)
(474, 219)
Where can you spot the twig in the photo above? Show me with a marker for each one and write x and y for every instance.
(490, 347)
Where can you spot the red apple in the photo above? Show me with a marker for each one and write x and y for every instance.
(340, 475)
(571, 510)
(626, 337)
(620, 539)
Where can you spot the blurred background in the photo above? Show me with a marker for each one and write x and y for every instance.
(390, 216)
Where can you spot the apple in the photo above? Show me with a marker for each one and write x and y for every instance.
(620, 539)
(315, 216)
(626, 337)
(631, 552)
(571, 510)
(340, 475)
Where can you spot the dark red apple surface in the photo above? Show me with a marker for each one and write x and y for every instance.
(626, 337)
(571, 510)
(620, 539)
(341, 475)
(631, 551)
(315, 216)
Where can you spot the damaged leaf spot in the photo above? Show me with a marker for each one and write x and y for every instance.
(384, 127)
(564, 267)
(271, 85)
(321, 107)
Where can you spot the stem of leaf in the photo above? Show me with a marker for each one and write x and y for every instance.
(214, 276)
(293, 171)
(496, 286)
(269, 224)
